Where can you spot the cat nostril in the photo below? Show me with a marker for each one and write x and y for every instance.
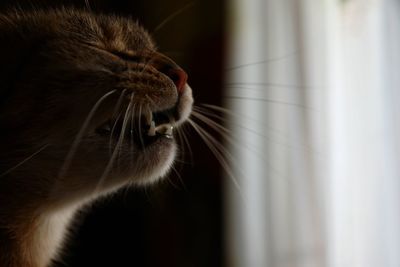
(179, 77)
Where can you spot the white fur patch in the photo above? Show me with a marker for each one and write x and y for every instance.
(49, 235)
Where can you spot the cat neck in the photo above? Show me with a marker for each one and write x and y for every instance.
(38, 240)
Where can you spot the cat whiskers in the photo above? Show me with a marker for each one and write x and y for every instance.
(182, 132)
(286, 56)
(227, 161)
(114, 126)
(181, 138)
(131, 144)
(119, 102)
(202, 114)
(148, 62)
(79, 136)
(116, 151)
(140, 123)
(182, 146)
(130, 121)
(87, 4)
(216, 126)
(279, 138)
(150, 100)
(173, 15)
(115, 116)
(24, 160)
(271, 101)
(218, 149)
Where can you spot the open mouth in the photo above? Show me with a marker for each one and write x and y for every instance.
(143, 130)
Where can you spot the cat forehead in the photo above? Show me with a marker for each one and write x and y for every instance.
(106, 31)
(110, 31)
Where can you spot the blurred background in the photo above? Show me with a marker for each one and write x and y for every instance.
(315, 90)
(307, 174)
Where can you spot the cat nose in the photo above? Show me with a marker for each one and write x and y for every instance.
(179, 77)
(167, 66)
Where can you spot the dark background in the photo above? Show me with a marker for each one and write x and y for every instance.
(180, 221)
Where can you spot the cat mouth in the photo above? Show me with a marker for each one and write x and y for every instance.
(142, 130)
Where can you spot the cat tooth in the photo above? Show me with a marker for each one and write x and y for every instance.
(169, 130)
(149, 117)
(161, 128)
(152, 130)
(165, 129)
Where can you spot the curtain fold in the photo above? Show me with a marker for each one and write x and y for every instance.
(314, 87)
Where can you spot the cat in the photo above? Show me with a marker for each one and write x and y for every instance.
(87, 106)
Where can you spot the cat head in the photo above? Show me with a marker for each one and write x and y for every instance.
(87, 103)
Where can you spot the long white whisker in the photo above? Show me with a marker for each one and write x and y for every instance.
(236, 143)
(119, 102)
(130, 118)
(178, 175)
(272, 101)
(208, 112)
(116, 150)
(132, 129)
(228, 112)
(173, 15)
(24, 161)
(225, 133)
(112, 132)
(80, 134)
(253, 89)
(270, 84)
(211, 123)
(186, 141)
(267, 61)
(87, 4)
(148, 62)
(216, 126)
(182, 145)
(140, 124)
(270, 139)
(116, 117)
(150, 100)
(218, 150)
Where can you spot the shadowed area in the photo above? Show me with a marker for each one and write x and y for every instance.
(178, 222)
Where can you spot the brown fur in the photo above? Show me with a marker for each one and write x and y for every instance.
(54, 67)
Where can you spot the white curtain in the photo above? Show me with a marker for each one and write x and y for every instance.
(314, 86)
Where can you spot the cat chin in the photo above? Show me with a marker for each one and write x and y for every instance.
(159, 166)
(155, 162)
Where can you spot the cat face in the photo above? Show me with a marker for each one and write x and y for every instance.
(93, 96)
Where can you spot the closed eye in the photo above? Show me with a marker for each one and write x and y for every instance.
(126, 56)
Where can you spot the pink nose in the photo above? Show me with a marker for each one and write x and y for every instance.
(179, 77)
(171, 69)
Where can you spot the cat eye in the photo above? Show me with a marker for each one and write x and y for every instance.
(126, 56)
